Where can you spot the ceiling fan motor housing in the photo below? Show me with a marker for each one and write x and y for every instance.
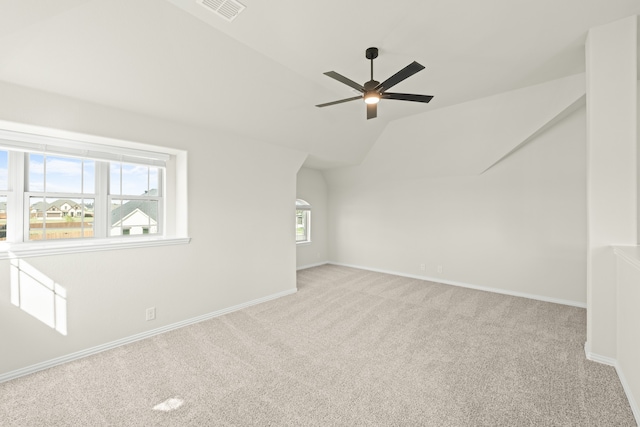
(371, 85)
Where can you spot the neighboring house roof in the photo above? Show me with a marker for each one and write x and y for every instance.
(149, 208)
(121, 212)
(44, 206)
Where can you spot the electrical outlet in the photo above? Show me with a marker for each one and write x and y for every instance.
(151, 313)
(440, 269)
(423, 267)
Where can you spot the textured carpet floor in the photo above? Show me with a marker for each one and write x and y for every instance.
(351, 348)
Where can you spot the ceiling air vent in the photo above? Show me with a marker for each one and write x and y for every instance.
(228, 9)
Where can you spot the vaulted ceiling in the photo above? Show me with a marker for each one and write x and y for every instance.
(261, 75)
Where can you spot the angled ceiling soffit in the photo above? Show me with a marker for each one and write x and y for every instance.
(472, 137)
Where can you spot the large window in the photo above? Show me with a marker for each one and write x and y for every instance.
(63, 198)
(66, 191)
(303, 221)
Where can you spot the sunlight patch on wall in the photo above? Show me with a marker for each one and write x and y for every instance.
(37, 294)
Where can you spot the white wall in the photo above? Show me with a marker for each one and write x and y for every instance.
(312, 188)
(627, 321)
(611, 172)
(236, 254)
(612, 186)
(420, 196)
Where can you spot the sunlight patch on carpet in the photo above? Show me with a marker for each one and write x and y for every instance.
(170, 404)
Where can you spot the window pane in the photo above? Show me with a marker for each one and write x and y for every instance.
(68, 225)
(301, 225)
(63, 175)
(58, 219)
(4, 170)
(89, 176)
(150, 210)
(114, 178)
(134, 217)
(153, 180)
(87, 217)
(36, 172)
(135, 180)
(115, 222)
(3, 217)
(55, 174)
(37, 209)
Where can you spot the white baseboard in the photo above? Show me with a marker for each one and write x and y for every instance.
(304, 267)
(605, 360)
(470, 286)
(94, 350)
(635, 409)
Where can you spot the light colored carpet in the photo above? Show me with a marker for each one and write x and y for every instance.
(351, 348)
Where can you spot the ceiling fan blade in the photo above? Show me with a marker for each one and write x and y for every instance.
(407, 97)
(372, 111)
(405, 73)
(343, 79)
(339, 102)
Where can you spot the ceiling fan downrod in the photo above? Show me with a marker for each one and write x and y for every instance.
(371, 54)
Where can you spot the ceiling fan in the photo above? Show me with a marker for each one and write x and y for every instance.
(373, 91)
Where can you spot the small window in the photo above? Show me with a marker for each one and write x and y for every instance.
(303, 221)
(4, 187)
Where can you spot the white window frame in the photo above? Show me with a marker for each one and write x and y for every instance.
(19, 139)
(305, 207)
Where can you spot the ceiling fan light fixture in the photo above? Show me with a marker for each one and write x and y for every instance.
(372, 98)
(372, 91)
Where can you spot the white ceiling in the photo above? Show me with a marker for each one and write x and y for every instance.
(261, 75)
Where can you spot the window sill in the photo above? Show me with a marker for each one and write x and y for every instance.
(33, 249)
(308, 242)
